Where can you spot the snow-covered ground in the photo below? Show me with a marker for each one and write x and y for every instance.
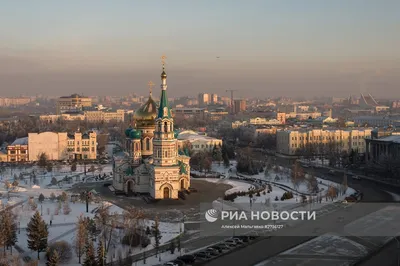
(64, 225)
(266, 199)
(237, 186)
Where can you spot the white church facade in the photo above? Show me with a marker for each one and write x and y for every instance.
(152, 163)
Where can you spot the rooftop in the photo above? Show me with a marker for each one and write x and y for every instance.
(21, 141)
(395, 139)
(191, 135)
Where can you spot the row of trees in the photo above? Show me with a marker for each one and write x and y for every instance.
(202, 160)
(333, 151)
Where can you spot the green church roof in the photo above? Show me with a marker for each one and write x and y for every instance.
(128, 131)
(135, 134)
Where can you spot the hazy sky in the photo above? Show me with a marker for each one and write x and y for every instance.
(266, 47)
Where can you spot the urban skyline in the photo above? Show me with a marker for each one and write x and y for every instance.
(267, 48)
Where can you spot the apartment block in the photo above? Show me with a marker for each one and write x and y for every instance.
(290, 141)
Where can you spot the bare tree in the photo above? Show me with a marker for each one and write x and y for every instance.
(297, 175)
(344, 184)
(105, 223)
(133, 223)
(81, 237)
(312, 183)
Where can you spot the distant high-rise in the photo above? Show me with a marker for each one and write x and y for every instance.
(214, 98)
(204, 99)
(73, 103)
(239, 106)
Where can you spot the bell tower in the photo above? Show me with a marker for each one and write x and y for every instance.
(164, 143)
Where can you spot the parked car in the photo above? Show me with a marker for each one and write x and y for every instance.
(244, 238)
(188, 259)
(179, 262)
(356, 177)
(218, 248)
(170, 264)
(212, 251)
(202, 255)
(223, 246)
(350, 199)
(238, 240)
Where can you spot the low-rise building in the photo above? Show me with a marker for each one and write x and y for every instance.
(264, 121)
(18, 150)
(56, 145)
(383, 149)
(289, 142)
(198, 142)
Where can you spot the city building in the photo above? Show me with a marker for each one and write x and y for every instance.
(56, 145)
(198, 142)
(152, 164)
(239, 106)
(72, 104)
(281, 117)
(214, 98)
(18, 150)
(7, 102)
(383, 149)
(94, 116)
(264, 121)
(187, 112)
(203, 99)
(377, 121)
(63, 146)
(104, 116)
(289, 142)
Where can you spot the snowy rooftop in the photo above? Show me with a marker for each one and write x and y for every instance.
(21, 141)
(191, 135)
(395, 139)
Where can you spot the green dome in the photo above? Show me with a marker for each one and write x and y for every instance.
(147, 111)
(128, 131)
(135, 134)
(176, 133)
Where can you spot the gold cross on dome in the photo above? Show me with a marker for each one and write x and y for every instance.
(150, 84)
(163, 59)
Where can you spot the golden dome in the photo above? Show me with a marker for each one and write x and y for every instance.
(147, 111)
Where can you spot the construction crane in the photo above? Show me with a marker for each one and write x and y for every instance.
(232, 102)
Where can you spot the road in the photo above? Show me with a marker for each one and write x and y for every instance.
(390, 255)
(266, 248)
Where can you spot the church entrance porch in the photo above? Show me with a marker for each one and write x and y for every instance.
(130, 188)
(167, 193)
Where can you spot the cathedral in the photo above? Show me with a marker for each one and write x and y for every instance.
(151, 163)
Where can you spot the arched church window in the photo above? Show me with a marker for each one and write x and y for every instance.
(159, 127)
(165, 127)
(148, 144)
(166, 154)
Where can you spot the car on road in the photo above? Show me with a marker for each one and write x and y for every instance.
(188, 259)
(356, 177)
